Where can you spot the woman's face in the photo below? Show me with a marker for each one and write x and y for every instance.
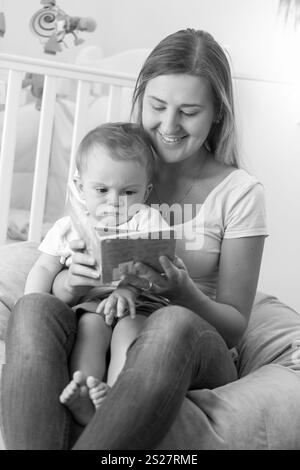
(178, 111)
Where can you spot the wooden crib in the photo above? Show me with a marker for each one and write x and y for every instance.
(85, 78)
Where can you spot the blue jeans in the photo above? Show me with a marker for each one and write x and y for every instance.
(39, 339)
(176, 351)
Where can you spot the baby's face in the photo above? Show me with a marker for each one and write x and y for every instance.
(111, 187)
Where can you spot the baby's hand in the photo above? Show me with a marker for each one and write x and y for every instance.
(82, 274)
(118, 304)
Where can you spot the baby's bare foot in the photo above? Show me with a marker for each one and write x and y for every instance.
(97, 390)
(76, 397)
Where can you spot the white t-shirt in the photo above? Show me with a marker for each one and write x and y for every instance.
(234, 208)
(57, 240)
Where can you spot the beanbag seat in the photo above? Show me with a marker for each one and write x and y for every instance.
(260, 410)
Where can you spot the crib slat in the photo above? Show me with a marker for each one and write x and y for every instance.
(80, 120)
(8, 147)
(114, 101)
(42, 160)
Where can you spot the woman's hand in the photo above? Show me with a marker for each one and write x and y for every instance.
(172, 282)
(118, 304)
(82, 274)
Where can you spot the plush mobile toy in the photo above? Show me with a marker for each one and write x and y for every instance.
(52, 24)
(36, 83)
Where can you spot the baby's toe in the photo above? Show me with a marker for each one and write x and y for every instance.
(78, 378)
(92, 382)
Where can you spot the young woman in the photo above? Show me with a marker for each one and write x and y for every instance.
(183, 99)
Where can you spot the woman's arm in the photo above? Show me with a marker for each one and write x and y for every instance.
(42, 274)
(239, 268)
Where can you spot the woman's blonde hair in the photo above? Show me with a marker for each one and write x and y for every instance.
(196, 53)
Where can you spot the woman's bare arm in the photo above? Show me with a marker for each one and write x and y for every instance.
(239, 268)
(240, 261)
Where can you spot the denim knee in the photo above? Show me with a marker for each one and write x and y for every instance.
(34, 308)
(38, 317)
(176, 322)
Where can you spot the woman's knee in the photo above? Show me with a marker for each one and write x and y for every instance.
(177, 317)
(175, 322)
(37, 312)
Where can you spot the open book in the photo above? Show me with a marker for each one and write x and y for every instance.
(120, 250)
(115, 249)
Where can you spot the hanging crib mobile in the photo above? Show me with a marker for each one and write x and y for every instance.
(51, 24)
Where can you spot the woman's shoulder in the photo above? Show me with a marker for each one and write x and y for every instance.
(217, 172)
(233, 188)
(237, 192)
(240, 178)
(238, 200)
(228, 177)
(221, 179)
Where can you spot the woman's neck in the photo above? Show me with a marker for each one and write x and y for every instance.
(190, 168)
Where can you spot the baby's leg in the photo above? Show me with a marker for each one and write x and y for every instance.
(92, 342)
(124, 333)
(88, 359)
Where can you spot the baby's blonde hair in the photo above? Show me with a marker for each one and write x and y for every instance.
(124, 140)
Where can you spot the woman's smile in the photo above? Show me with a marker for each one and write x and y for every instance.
(172, 140)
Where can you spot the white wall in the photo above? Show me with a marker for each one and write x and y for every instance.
(19, 39)
(247, 27)
(269, 119)
(269, 115)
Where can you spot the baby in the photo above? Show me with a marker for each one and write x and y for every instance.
(115, 165)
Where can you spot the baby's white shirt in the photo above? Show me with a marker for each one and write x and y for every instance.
(57, 240)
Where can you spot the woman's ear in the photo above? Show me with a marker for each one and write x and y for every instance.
(148, 191)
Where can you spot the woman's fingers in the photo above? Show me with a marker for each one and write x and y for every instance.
(179, 263)
(150, 275)
(169, 269)
(147, 276)
(135, 281)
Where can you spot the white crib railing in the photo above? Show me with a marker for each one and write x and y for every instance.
(84, 76)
